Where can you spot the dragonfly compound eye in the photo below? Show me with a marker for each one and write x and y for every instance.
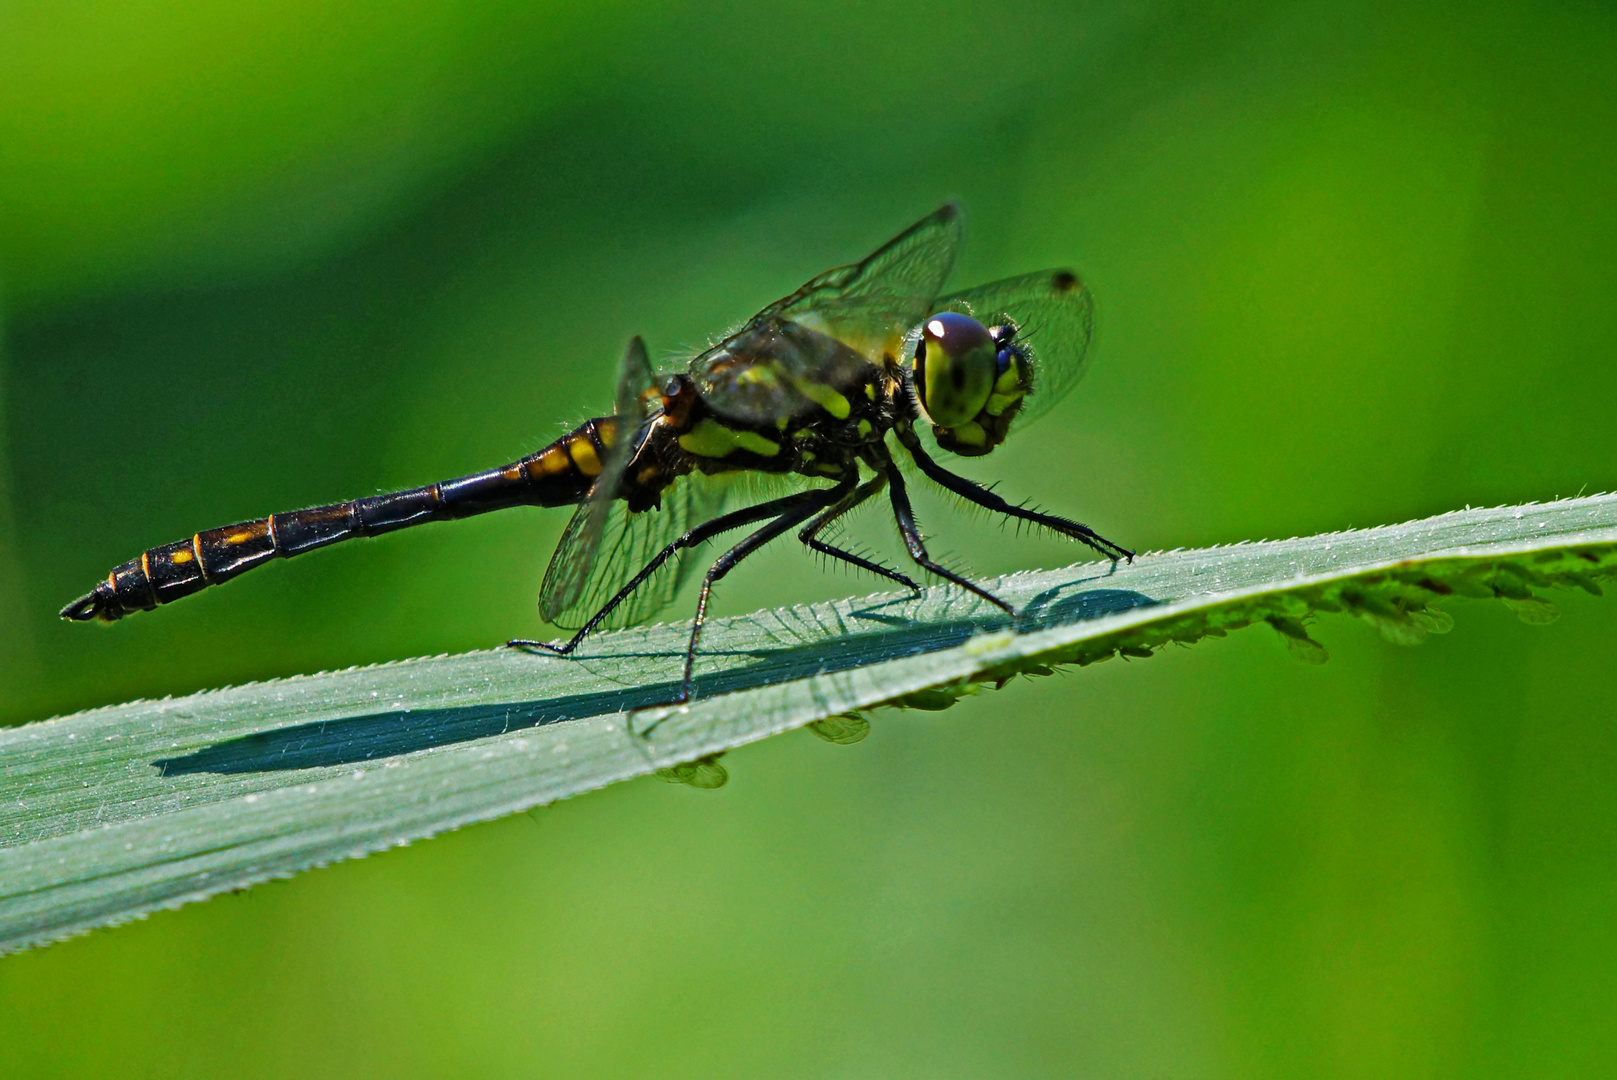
(956, 364)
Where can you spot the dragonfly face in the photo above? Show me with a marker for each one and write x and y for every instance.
(806, 394)
(970, 380)
(955, 368)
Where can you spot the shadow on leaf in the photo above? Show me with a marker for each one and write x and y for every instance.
(372, 736)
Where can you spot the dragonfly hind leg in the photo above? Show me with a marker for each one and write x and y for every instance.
(811, 531)
(812, 503)
(701, 533)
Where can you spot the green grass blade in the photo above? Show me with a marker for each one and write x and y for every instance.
(115, 812)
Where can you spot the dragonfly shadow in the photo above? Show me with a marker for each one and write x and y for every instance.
(900, 637)
(374, 736)
(1061, 607)
(354, 739)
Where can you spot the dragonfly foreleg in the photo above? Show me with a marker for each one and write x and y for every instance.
(831, 513)
(701, 533)
(974, 492)
(812, 503)
(917, 547)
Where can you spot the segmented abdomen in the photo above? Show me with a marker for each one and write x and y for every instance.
(558, 475)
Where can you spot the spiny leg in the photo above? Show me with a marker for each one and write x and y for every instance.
(706, 531)
(975, 492)
(831, 513)
(727, 562)
(917, 547)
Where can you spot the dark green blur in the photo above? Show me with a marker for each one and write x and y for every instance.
(1353, 264)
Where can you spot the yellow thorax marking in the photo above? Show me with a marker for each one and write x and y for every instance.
(756, 373)
(826, 398)
(711, 439)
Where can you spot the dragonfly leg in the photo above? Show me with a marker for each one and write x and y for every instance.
(917, 547)
(974, 492)
(842, 506)
(703, 532)
(813, 502)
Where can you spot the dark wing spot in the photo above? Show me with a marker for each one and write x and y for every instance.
(1064, 281)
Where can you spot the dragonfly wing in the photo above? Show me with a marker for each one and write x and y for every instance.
(635, 379)
(1054, 314)
(888, 292)
(827, 332)
(626, 543)
(575, 556)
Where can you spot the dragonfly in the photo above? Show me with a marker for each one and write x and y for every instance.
(819, 392)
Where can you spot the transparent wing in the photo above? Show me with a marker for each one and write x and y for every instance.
(574, 559)
(635, 378)
(1054, 315)
(830, 330)
(887, 292)
(623, 545)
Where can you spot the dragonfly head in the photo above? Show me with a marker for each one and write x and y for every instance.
(970, 380)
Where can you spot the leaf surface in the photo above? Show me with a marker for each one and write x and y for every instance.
(113, 813)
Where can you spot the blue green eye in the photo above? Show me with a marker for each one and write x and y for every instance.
(957, 362)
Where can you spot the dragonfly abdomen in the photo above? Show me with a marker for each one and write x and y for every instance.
(558, 475)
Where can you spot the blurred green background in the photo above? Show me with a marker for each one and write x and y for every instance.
(1355, 263)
